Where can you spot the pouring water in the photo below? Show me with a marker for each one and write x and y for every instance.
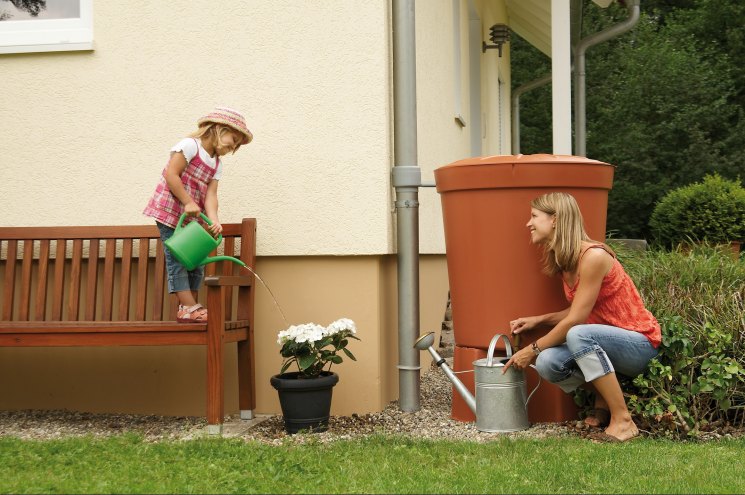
(270, 292)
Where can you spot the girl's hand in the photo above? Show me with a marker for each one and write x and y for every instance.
(523, 324)
(520, 360)
(192, 209)
(215, 229)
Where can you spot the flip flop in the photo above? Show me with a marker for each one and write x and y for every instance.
(602, 415)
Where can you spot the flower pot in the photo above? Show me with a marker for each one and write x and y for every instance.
(305, 402)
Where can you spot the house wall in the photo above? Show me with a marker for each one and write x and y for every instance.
(85, 136)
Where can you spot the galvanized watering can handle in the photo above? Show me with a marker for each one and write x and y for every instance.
(493, 345)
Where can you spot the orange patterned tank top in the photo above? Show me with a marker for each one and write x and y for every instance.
(619, 303)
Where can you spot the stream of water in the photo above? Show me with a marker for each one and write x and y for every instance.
(270, 293)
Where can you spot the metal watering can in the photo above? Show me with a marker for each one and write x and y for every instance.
(500, 404)
(191, 245)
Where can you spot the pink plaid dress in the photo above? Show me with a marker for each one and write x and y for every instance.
(164, 207)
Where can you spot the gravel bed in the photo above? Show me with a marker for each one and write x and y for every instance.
(432, 421)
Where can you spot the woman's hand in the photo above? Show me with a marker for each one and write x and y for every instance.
(523, 324)
(520, 360)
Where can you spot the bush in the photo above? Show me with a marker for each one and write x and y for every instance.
(697, 382)
(712, 210)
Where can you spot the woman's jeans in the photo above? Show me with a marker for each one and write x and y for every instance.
(592, 351)
(179, 279)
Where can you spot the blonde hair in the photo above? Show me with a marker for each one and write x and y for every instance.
(561, 253)
(215, 133)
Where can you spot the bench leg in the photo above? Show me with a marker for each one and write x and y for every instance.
(215, 348)
(246, 385)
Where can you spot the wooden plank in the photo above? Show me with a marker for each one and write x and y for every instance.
(10, 279)
(108, 280)
(58, 289)
(102, 339)
(215, 356)
(142, 262)
(41, 281)
(110, 326)
(28, 259)
(83, 232)
(159, 281)
(246, 348)
(73, 307)
(91, 294)
(94, 232)
(125, 279)
(227, 269)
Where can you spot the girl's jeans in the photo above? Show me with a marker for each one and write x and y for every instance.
(592, 351)
(179, 278)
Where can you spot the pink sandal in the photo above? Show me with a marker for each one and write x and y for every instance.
(191, 314)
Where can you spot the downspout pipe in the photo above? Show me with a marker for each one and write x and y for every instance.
(580, 107)
(516, 93)
(406, 177)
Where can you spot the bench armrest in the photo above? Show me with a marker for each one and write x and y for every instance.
(227, 280)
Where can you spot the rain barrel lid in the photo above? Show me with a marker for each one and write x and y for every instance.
(524, 171)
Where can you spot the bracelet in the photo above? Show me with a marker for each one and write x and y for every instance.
(536, 349)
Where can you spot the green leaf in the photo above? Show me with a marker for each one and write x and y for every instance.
(349, 354)
(306, 362)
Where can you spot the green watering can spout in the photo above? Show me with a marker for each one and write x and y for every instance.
(212, 259)
(191, 245)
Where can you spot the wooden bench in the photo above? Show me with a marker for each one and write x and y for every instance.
(107, 286)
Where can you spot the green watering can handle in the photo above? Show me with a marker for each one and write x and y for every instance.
(204, 217)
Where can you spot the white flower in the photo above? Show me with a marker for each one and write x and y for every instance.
(340, 325)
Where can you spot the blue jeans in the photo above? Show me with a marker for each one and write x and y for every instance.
(592, 351)
(179, 279)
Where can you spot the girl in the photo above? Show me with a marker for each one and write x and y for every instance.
(188, 185)
(605, 328)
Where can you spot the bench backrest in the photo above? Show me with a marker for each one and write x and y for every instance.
(102, 273)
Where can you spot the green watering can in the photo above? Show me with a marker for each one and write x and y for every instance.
(191, 245)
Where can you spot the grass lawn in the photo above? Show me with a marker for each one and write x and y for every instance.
(128, 464)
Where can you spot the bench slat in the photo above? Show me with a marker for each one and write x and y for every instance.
(28, 258)
(73, 307)
(58, 291)
(108, 280)
(159, 282)
(10, 277)
(110, 326)
(91, 293)
(126, 279)
(142, 262)
(41, 284)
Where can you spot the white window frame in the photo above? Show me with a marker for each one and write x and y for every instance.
(49, 35)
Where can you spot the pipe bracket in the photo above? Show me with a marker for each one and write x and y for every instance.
(407, 203)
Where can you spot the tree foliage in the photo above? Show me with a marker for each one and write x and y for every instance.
(664, 101)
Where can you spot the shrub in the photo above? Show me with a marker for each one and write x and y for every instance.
(712, 210)
(697, 381)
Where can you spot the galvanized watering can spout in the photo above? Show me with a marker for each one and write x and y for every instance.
(424, 343)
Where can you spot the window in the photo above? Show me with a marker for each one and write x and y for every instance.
(45, 25)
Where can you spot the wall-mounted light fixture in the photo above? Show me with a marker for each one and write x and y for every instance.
(499, 35)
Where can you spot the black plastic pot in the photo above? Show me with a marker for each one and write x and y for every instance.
(305, 402)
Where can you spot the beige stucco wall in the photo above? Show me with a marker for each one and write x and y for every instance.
(86, 134)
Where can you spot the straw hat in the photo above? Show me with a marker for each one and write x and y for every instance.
(231, 118)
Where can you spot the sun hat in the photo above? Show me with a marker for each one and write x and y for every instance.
(231, 118)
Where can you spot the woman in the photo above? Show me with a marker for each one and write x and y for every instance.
(606, 329)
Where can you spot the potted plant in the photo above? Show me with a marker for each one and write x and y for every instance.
(305, 394)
